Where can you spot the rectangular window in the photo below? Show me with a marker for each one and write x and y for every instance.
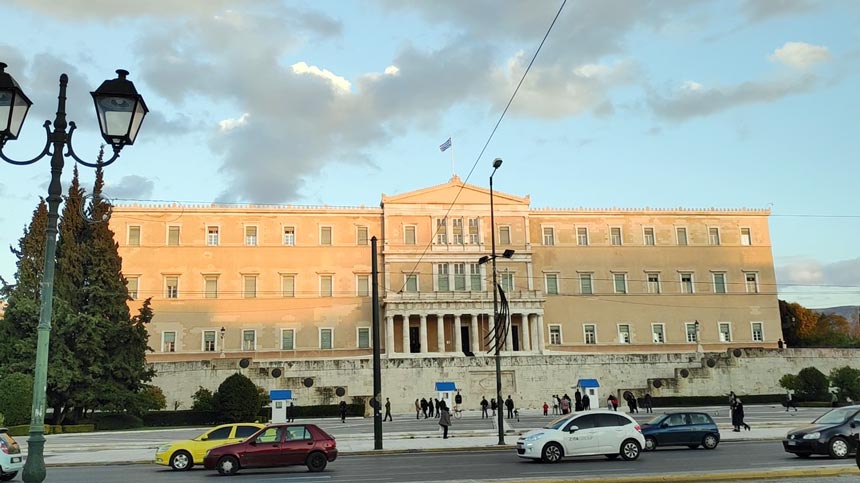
(363, 338)
(623, 334)
(134, 236)
(615, 236)
(168, 342)
(504, 235)
(409, 235)
(475, 277)
(649, 236)
(692, 335)
(714, 236)
(582, 236)
(725, 332)
(620, 282)
(442, 277)
(362, 285)
(548, 236)
(585, 286)
(457, 230)
(681, 233)
(590, 333)
(171, 285)
(288, 340)
(250, 286)
(212, 236)
(289, 236)
(325, 236)
(555, 334)
(251, 236)
(411, 285)
(757, 332)
(686, 283)
(719, 283)
(249, 340)
(474, 234)
(209, 341)
(658, 335)
(173, 236)
(459, 277)
(746, 237)
(752, 282)
(653, 282)
(210, 286)
(326, 283)
(288, 285)
(551, 283)
(133, 284)
(442, 231)
(508, 282)
(361, 235)
(326, 336)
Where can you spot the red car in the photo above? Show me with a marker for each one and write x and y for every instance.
(275, 445)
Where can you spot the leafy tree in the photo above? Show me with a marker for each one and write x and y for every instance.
(847, 381)
(812, 384)
(150, 398)
(237, 400)
(803, 327)
(202, 400)
(16, 397)
(789, 382)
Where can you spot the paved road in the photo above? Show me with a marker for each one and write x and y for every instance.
(486, 465)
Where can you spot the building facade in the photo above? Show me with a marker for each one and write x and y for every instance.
(294, 283)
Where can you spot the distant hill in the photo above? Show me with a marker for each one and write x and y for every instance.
(847, 311)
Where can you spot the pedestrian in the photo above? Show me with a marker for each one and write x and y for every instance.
(634, 403)
(417, 409)
(291, 413)
(628, 398)
(509, 405)
(577, 398)
(565, 401)
(444, 421)
(834, 402)
(733, 401)
(424, 406)
(739, 409)
(612, 402)
(436, 407)
(555, 404)
(780, 344)
(649, 403)
(789, 402)
(545, 409)
(493, 405)
(484, 405)
(387, 411)
(458, 400)
(343, 411)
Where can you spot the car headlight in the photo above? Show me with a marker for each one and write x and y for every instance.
(533, 437)
(814, 435)
(163, 449)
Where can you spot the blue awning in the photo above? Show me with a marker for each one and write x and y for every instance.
(585, 383)
(281, 395)
(445, 386)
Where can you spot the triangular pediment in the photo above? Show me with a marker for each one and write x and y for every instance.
(446, 193)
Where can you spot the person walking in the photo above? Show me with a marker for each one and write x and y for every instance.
(648, 403)
(577, 399)
(733, 402)
(739, 409)
(509, 405)
(565, 405)
(586, 402)
(634, 403)
(387, 411)
(444, 421)
(493, 405)
(458, 400)
(789, 402)
(484, 405)
(343, 411)
(612, 402)
(545, 409)
(555, 404)
(417, 409)
(437, 407)
(424, 405)
(834, 401)
(291, 413)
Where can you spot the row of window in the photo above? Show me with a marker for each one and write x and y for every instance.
(616, 238)
(209, 340)
(653, 283)
(213, 235)
(250, 286)
(658, 333)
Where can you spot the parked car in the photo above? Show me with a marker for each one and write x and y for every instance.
(588, 433)
(691, 429)
(833, 434)
(11, 459)
(273, 446)
(183, 455)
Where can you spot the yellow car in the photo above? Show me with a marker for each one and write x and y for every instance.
(182, 455)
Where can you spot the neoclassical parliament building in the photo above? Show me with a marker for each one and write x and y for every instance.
(294, 282)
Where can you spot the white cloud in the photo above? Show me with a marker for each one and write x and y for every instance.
(800, 55)
(230, 124)
(691, 86)
(392, 70)
(340, 84)
(131, 187)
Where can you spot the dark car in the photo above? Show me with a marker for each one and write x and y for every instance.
(690, 429)
(831, 434)
(275, 445)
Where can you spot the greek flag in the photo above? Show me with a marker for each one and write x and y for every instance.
(445, 145)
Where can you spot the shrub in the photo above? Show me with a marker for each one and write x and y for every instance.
(2, 420)
(150, 398)
(812, 385)
(789, 382)
(202, 400)
(180, 418)
(237, 400)
(692, 401)
(847, 381)
(16, 398)
(79, 428)
(114, 421)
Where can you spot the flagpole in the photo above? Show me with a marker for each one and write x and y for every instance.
(453, 173)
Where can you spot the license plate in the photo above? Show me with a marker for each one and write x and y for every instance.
(16, 460)
(792, 443)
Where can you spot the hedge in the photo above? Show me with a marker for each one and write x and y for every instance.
(325, 411)
(113, 421)
(188, 417)
(692, 401)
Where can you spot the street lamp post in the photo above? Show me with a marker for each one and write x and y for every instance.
(223, 331)
(120, 110)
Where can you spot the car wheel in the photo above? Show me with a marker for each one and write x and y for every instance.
(552, 453)
(8, 476)
(710, 441)
(650, 444)
(612, 456)
(228, 465)
(181, 461)
(316, 462)
(630, 449)
(838, 447)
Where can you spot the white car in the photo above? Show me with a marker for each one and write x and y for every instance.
(11, 459)
(586, 433)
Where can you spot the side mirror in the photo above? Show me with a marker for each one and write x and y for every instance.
(253, 442)
(853, 424)
(204, 438)
(572, 428)
(664, 425)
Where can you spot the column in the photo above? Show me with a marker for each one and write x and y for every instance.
(389, 335)
(509, 339)
(458, 335)
(440, 332)
(406, 334)
(541, 341)
(423, 331)
(533, 332)
(473, 336)
(526, 338)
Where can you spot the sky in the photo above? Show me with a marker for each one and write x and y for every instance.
(665, 103)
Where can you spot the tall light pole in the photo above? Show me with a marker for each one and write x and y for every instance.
(120, 110)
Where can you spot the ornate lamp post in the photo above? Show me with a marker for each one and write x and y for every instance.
(120, 110)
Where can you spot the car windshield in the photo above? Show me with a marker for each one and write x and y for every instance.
(558, 423)
(836, 416)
